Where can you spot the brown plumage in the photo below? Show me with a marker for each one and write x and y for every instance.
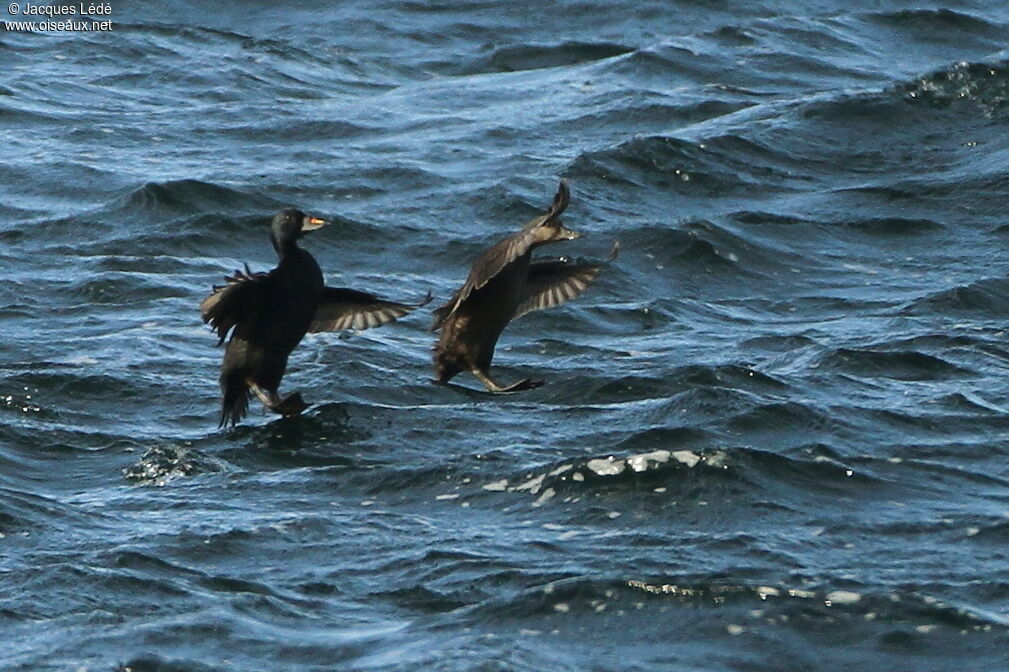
(503, 284)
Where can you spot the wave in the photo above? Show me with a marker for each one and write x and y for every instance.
(191, 197)
(988, 298)
(650, 111)
(803, 605)
(300, 130)
(983, 85)
(518, 57)
(934, 22)
(692, 474)
(152, 663)
(159, 221)
(899, 365)
(699, 252)
(161, 464)
(997, 533)
(124, 289)
(717, 167)
(895, 226)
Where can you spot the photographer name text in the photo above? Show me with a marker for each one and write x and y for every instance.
(60, 17)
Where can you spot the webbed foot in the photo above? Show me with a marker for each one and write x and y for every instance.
(493, 386)
(520, 386)
(288, 406)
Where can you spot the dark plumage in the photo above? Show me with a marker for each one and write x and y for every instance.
(503, 284)
(271, 312)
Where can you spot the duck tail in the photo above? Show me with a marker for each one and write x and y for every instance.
(234, 399)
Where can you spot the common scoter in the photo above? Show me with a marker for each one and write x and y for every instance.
(271, 312)
(503, 284)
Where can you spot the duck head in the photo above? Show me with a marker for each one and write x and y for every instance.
(291, 224)
(547, 228)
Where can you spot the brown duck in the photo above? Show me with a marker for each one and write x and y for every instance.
(271, 312)
(503, 284)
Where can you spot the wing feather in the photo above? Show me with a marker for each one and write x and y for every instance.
(553, 282)
(342, 308)
(229, 302)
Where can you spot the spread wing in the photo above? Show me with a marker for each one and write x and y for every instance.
(342, 308)
(229, 302)
(484, 270)
(498, 257)
(553, 282)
